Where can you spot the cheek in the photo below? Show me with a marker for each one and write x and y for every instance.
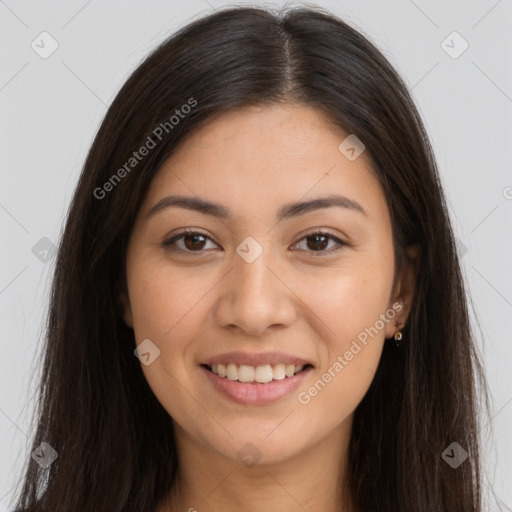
(351, 347)
(163, 299)
(167, 309)
(350, 303)
(349, 298)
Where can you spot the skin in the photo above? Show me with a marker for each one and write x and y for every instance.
(294, 299)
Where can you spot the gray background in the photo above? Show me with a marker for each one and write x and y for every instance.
(50, 110)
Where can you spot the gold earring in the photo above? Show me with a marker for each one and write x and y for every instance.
(398, 338)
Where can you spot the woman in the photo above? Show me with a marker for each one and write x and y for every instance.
(257, 301)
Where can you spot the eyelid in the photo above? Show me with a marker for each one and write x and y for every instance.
(323, 232)
(168, 243)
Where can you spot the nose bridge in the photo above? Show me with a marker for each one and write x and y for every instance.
(254, 298)
(251, 274)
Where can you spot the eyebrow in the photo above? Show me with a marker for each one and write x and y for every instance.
(285, 212)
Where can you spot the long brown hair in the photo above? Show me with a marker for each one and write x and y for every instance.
(114, 440)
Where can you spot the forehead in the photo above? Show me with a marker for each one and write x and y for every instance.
(253, 156)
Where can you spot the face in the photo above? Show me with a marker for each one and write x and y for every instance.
(299, 299)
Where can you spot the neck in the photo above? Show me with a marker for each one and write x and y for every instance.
(208, 481)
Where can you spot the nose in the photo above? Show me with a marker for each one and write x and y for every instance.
(256, 296)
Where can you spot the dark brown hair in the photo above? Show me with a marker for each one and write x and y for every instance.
(115, 442)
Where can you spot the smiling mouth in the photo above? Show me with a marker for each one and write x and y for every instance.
(256, 374)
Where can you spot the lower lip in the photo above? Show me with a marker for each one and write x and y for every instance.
(256, 393)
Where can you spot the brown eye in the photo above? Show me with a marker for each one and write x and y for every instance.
(194, 242)
(319, 241)
(188, 241)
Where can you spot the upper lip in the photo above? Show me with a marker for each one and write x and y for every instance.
(256, 359)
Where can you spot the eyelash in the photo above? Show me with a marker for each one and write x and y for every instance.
(169, 243)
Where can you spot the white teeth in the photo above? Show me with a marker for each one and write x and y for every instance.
(245, 373)
(232, 372)
(290, 370)
(260, 374)
(279, 371)
(263, 374)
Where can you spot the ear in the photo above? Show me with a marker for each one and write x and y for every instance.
(126, 309)
(404, 289)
